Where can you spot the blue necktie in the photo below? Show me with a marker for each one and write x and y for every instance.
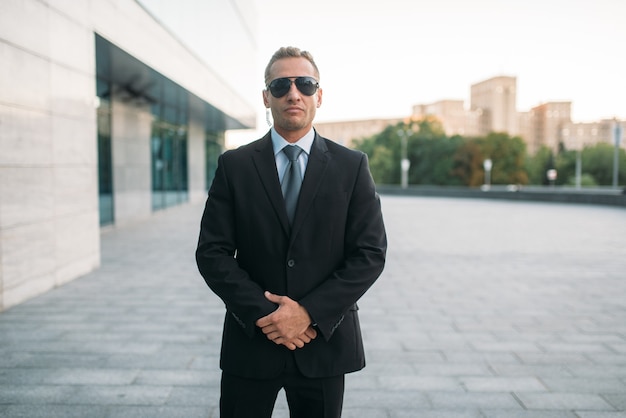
(292, 180)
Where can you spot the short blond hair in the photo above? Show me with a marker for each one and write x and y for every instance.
(289, 52)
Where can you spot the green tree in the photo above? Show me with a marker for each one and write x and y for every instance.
(383, 150)
(382, 165)
(508, 155)
(431, 154)
(537, 164)
(565, 165)
(598, 162)
(441, 160)
(468, 163)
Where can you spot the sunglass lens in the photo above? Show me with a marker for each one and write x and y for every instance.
(306, 85)
(280, 87)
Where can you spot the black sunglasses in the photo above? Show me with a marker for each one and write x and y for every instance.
(280, 86)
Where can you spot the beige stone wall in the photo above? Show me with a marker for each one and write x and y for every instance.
(49, 228)
(131, 127)
(195, 154)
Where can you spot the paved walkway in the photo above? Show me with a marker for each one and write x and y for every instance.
(485, 309)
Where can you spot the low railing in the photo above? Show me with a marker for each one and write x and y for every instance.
(594, 196)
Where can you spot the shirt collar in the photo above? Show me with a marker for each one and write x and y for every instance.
(306, 142)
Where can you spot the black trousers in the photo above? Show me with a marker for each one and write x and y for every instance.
(306, 397)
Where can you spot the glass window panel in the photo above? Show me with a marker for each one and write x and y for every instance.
(169, 147)
(105, 161)
(169, 114)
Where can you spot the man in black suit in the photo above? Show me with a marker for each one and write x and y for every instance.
(290, 268)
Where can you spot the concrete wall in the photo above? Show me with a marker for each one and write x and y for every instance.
(49, 229)
(196, 164)
(130, 147)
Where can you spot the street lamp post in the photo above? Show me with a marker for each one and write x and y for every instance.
(487, 165)
(405, 164)
(617, 135)
(578, 168)
(579, 162)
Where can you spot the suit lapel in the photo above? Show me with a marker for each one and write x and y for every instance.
(318, 161)
(265, 163)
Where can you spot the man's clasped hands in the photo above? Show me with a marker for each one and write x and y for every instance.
(289, 325)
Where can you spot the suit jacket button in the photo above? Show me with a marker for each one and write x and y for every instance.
(291, 263)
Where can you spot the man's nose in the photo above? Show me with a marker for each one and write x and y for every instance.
(293, 91)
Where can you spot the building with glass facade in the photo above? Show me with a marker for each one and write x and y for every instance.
(108, 114)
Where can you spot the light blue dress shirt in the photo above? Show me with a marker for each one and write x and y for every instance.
(278, 143)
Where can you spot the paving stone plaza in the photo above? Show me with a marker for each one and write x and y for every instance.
(485, 309)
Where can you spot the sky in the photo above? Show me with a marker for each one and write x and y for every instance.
(379, 58)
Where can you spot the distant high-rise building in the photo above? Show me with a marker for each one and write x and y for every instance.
(548, 120)
(451, 114)
(578, 135)
(495, 102)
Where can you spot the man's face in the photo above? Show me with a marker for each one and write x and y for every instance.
(293, 113)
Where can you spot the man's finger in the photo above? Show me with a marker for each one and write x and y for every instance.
(290, 345)
(267, 329)
(263, 322)
(311, 333)
(272, 297)
(273, 336)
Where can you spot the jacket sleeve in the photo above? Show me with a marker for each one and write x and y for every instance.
(365, 247)
(215, 256)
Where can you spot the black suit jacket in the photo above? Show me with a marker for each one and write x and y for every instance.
(333, 253)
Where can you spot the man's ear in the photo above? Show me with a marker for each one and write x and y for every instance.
(319, 97)
(266, 101)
